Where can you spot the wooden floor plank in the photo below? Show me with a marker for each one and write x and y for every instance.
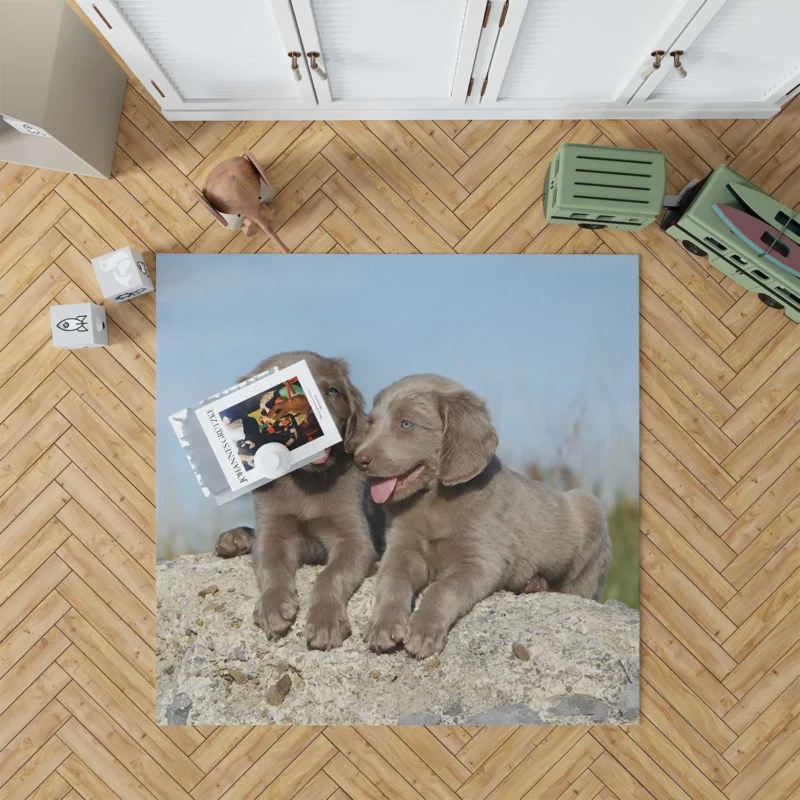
(159, 131)
(501, 204)
(128, 750)
(496, 185)
(437, 143)
(107, 768)
(684, 736)
(692, 599)
(237, 761)
(32, 520)
(419, 161)
(781, 570)
(12, 176)
(29, 195)
(157, 165)
(153, 198)
(17, 280)
(86, 602)
(349, 779)
(30, 230)
(421, 218)
(38, 768)
(541, 765)
(32, 737)
(84, 782)
(108, 516)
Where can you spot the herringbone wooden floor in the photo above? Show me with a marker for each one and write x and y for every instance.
(720, 487)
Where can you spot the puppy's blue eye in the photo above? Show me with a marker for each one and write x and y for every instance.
(406, 423)
(332, 391)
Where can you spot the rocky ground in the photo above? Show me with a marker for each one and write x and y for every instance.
(529, 659)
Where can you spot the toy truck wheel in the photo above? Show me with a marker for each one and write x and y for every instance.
(693, 248)
(592, 226)
(769, 301)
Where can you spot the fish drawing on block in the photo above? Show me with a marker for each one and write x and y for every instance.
(77, 324)
(763, 238)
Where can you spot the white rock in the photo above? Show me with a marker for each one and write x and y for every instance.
(584, 664)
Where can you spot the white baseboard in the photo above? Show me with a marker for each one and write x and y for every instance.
(700, 111)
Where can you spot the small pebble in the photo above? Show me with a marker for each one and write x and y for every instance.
(212, 590)
(238, 675)
(278, 691)
(520, 651)
(375, 674)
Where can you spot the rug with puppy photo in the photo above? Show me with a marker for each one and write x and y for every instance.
(407, 495)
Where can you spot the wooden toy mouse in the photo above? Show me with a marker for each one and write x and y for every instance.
(235, 193)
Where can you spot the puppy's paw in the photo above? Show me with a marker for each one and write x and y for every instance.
(537, 583)
(275, 612)
(384, 632)
(326, 627)
(235, 542)
(424, 635)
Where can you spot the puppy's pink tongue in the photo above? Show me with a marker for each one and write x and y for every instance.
(382, 489)
(323, 458)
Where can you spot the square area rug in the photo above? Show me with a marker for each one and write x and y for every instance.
(549, 347)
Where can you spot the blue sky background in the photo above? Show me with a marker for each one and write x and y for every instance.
(550, 342)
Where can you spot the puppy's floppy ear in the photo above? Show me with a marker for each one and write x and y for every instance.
(356, 421)
(469, 439)
(356, 424)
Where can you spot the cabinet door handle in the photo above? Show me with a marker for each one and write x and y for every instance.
(676, 60)
(315, 68)
(295, 66)
(657, 56)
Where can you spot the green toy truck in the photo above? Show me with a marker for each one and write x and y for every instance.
(610, 187)
(701, 231)
(605, 187)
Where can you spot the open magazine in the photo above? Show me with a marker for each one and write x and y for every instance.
(256, 431)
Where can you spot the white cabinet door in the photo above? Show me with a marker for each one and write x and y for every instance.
(734, 51)
(390, 53)
(208, 54)
(562, 54)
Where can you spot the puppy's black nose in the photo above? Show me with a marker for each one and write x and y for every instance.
(363, 459)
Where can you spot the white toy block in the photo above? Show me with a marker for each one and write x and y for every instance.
(78, 325)
(122, 274)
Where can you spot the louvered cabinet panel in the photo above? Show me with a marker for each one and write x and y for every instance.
(209, 53)
(748, 50)
(458, 59)
(582, 50)
(390, 51)
(212, 50)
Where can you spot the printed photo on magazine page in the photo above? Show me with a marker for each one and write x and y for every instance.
(285, 407)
